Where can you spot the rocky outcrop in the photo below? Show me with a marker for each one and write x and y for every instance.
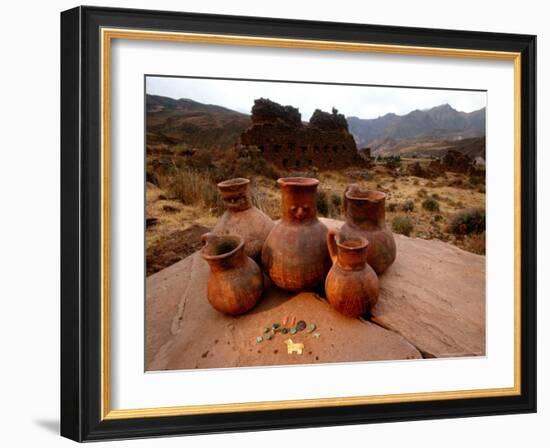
(432, 304)
(278, 132)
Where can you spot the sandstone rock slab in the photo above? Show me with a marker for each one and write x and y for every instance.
(432, 303)
(185, 332)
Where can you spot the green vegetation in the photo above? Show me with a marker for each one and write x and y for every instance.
(322, 203)
(468, 221)
(336, 202)
(402, 225)
(430, 204)
(393, 162)
(475, 181)
(407, 206)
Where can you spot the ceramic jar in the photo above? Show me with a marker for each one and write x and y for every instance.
(365, 212)
(352, 285)
(295, 254)
(241, 217)
(235, 282)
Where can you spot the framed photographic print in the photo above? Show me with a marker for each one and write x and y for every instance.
(273, 223)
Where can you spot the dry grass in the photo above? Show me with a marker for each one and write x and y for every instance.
(192, 187)
(195, 195)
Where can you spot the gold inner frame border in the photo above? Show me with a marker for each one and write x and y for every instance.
(107, 35)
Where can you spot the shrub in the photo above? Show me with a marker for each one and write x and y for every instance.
(393, 162)
(407, 206)
(322, 203)
(422, 193)
(475, 181)
(430, 204)
(468, 221)
(152, 178)
(336, 204)
(201, 160)
(402, 225)
(392, 207)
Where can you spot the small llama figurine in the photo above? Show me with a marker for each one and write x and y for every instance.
(294, 347)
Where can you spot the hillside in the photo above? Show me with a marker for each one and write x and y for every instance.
(441, 122)
(427, 147)
(190, 123)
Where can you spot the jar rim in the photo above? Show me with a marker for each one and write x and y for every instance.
(298, 182)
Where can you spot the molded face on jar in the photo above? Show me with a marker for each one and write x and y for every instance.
(298, 198)
(235, 193)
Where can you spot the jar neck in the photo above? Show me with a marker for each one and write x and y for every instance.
(226, 263)
(366, 213)
(352, 259)
(223, 252)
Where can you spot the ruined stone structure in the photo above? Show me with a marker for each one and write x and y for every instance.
(278, 132)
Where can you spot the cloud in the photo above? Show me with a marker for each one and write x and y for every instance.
(360, 101)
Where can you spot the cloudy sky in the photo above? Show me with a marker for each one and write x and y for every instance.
(359, 101)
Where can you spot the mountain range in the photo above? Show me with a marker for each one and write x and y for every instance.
(206, 125)
(442, 122)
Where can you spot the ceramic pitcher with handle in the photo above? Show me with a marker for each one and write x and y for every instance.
(352, 285)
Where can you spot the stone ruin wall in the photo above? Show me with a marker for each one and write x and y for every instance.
(324, 143)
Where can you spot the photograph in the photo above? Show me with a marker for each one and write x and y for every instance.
(310, 223)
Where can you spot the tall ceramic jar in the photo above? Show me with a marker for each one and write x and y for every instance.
(241, 217)
(295, 254)
(235, 282)
(352, 285)
(365, 212)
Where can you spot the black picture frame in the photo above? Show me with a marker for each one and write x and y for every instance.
(81, 224)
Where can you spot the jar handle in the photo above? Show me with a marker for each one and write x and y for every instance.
(331, 244)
